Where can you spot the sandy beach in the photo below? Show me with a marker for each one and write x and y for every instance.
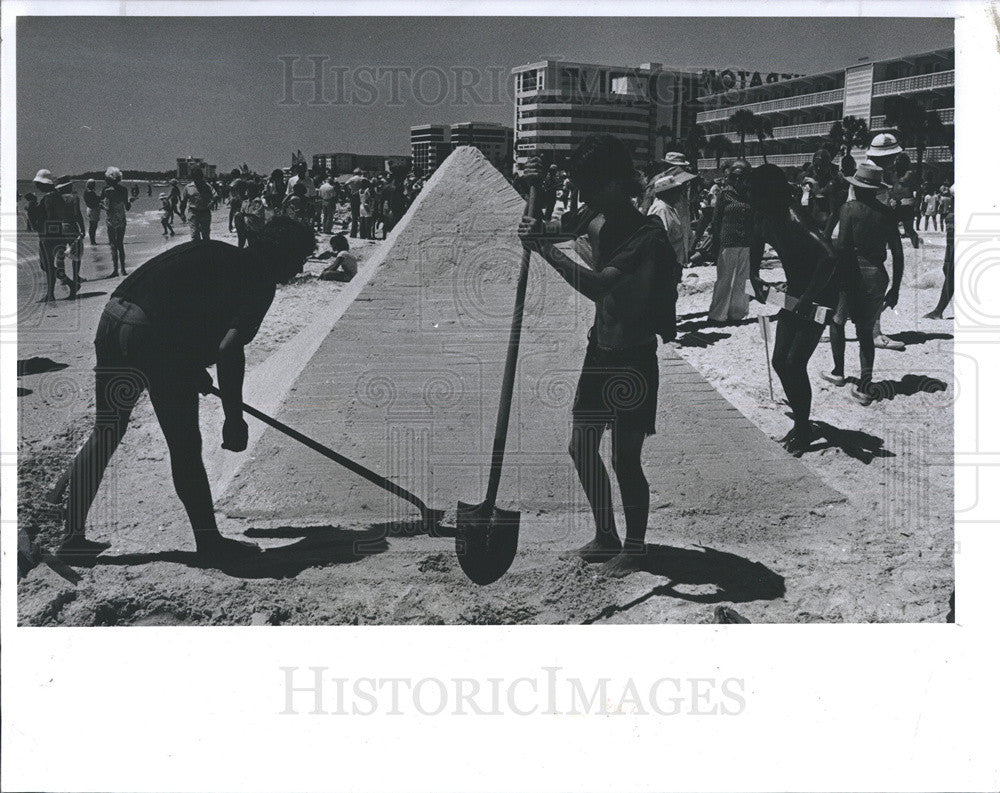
(879, 549)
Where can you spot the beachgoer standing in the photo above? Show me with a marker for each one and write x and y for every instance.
(196, 200)
(166, 213)
(631, 259)
(328, 198)
(809, 264)
(115, 201)
(732, 232)
(93, 203)
(946, 206)
(867, 229)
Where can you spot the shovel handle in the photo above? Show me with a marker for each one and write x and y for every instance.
(510, 366)
(350, 465)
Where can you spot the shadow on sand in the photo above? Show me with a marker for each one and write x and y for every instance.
(857, 444)
(737, 580)
(317, 546)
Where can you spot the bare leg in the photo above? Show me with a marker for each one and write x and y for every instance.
(176, 406)
(627, 462)
(115, 394)
(584, 448)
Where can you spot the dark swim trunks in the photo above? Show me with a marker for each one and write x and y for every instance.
(618, 389)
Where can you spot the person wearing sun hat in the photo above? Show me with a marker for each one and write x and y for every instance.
(867, 230)
(669, 189)
(57, 227)
(116, 202)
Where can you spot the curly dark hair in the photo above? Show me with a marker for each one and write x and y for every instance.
(604, 158)
(286, 244)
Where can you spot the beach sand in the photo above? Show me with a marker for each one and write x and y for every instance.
(881, 553)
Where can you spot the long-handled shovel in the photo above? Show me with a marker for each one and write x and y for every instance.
(431, 517)
(486, 542)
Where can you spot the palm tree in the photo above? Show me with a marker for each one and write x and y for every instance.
(665, 133)
(694, 142)
(763, 129)
(719, 146)
(744, 123)
(856, 133)
(916, 125)
(835, 137)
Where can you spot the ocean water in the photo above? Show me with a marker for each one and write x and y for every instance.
(145, 209)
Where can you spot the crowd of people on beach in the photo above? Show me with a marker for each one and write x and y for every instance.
(361, 206)
(198, 304)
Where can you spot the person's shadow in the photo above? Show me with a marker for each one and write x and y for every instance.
(318, 546)
(859, 445)
(701, 339)
(910, 337)
(736, 579)
(908, 385)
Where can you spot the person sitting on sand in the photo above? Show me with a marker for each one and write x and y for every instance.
(345, 264)
(634, 268)
(194, 305)
(809, 264)
(294, 205)
(867, 228)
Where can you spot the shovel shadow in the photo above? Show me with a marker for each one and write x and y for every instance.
(736, 579)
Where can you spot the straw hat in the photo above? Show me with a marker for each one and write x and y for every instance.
(671, 179)
(868, 175)
(676, 158)
(883, 145)
(44, 176)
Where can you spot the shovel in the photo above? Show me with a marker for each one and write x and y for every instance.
(431, 517)
(486, 542)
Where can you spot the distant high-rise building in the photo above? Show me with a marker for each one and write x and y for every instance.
(495, 141)
(558, 103)
(429, 146)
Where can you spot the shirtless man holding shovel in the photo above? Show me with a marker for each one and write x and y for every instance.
(192, 306)
(633, 276)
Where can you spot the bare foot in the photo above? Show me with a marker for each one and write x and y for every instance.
(624, 563)
(933, 315)
(76, 546)
(214, 549)
(597, 550)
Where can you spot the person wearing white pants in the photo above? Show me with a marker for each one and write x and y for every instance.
(732, 231)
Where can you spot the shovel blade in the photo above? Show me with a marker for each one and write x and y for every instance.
(486, 541)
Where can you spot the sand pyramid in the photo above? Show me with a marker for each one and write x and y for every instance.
(407, 383)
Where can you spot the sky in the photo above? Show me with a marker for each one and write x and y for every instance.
(140, 92)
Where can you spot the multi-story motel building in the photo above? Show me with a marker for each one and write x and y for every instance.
(802, 110)
(558, 103)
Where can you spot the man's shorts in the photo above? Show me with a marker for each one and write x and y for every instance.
(864, 301)
(618, 389)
